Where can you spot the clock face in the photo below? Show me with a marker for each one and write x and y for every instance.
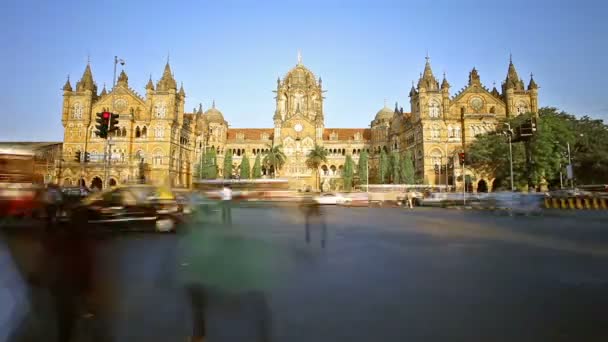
(476, 103)
(298, 127)
(120, 105)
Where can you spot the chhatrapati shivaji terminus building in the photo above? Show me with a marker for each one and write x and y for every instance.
(161, 142)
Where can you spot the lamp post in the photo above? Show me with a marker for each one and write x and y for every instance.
(109, 139)
(509, 134)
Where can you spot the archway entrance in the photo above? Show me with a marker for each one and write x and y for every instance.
(96, 183)
(482, 186)
(82, 183)
(468, 184)
(112, 182)
(496, 184)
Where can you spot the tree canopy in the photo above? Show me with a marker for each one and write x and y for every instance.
(362, 167)
(347, 173)
(245, 172)
(587, 138)
(315, 157)
(395, 167)
(407, 168)
(275, 158)
(228, 164)
(383, 168)
(257, 167)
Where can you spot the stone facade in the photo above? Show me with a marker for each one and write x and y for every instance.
(157, 140)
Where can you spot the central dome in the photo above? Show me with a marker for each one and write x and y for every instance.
(214, 115)
(300, 75)
(384, 113)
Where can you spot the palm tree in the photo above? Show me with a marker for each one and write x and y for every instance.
(275, 158)
(315, 157)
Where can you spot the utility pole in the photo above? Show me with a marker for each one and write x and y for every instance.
(109, 139)
(571, 175)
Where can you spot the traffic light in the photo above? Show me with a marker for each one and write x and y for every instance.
(533, 125)
(113, 126)
(77, 156)
(461, 158)
(87, 157)
(103, 120)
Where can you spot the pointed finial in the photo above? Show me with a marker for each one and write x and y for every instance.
(213, 104)
(299, 57)
(510, 57)
(494, 84)
(427, 55)
(88, 58)
(168, 57)
(200, 108)
(531, 75)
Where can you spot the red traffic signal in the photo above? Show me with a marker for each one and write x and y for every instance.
(105, 115)
(461, 156)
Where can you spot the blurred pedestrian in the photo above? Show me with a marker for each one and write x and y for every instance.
(409, 200)
(226, 204)
(313, 214)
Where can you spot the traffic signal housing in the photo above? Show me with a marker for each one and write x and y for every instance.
(461, 156)
(103, 121)
(113, 126)
(78, 156)
(87, 157)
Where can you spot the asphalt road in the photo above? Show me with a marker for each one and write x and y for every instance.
(384, 274)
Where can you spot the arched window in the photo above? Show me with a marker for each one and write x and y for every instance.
(434, 109)
(457, 132)
(435, 132)
(450, 132)
(124, 132)
(158, 158)
(144, 132)
(137, 132)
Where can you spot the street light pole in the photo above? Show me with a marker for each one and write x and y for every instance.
(509, 134)
(570, 166)
(109, 138)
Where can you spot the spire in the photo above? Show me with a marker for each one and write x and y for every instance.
(494, 90)
(427, 80)
(86, 81)
(413, 90)
(320, 82)
(444, 83)
(532, 84)
(181, 89)
(299, 57)
(474, 78)
(396, 105)
(67, 86)
(200, 108)
(512, 81)
(167, 81)
(123, 79)
(150, 84)
(104, 92)
(213, 104)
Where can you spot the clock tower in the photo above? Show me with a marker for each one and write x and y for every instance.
(298, 118)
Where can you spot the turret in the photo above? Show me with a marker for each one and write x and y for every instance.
(182, 93)
(167, 82)
(150, 85)
(474, 78)
(512, 80)
(427, 79)
(67, 87)
(86, 81)
(123, 79)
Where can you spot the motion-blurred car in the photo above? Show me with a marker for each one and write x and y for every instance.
(330, 198)
(135, 207)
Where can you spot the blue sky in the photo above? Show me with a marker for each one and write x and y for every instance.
(233, 51)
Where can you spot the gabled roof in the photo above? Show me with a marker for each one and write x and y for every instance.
(347, 133)
(249, 133)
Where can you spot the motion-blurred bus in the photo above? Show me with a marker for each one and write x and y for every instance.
(18, 182)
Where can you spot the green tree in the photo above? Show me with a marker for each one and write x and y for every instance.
(314, 159)
(245, 168)
(228, 164)
(347, 173)
(383, 168)
(211, 165)
(363, 166)
(275, 158)
(407, 168)
(395, 168)
(257, 167)
(548, 146)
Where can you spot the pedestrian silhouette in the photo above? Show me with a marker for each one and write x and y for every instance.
(313, 213)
